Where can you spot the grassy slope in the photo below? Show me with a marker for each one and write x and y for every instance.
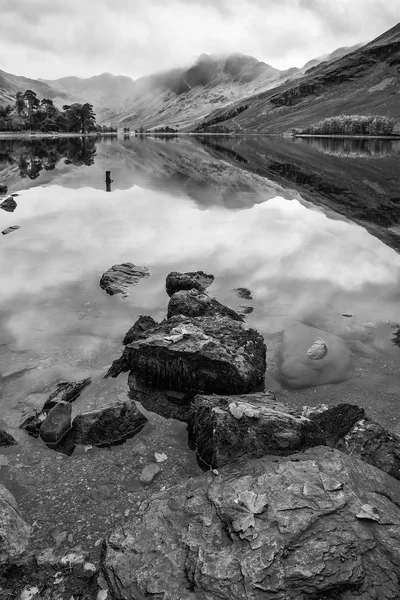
(365, 81)
(11, 84)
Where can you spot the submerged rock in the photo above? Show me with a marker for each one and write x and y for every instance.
(194, 303)
(138, 329)
(9, 204)
(108, 425)
(6, 439)
(225, 428)
(299, 370)
(10, 229)
(14, 532)
(243, 293)
(197, 280)
(273, 527)
(198, 354)
(119, 277)
(149, 472)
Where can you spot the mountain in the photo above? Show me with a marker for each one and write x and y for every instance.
(176, 97)
(364, 81)
(11, 84)
(338, 53)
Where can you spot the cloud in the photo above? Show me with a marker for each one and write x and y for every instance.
(50, 38)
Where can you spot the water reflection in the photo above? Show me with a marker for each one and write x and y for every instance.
(353, 148)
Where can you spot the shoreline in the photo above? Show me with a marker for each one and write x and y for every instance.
(4, 135)
(351, 137)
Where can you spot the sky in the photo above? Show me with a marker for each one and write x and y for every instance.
(58, 38)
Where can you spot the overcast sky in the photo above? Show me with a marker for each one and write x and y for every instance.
(56, 38)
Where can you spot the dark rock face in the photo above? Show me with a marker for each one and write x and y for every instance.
(9, 204)
(334, 421)
(138, 329)
(209, 354)
(320, 525)
(119, 277)
(196, 280)
(10, 229)
(56, 424)
(14, 532)
(6, 439)
(170, 404)
(374, 444)
(67, 391)
(109, 425)
(223, 429)
(194, 303)
(3, 188)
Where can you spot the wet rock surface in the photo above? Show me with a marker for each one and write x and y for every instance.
(193, 280)
(193, 303)
(9, 204)
(373, 443)
(275, 527)
(223, 429)
(209, 354)
(138, 329)
(109, 425)
(170, 404)
(14, 532)
(56, 424)
(119, 277)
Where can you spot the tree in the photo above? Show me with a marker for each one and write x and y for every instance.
(19, 102)
(33, 104)
(80, 117)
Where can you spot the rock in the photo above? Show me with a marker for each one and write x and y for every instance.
(198, 354)
(193, 303)
(273, 527)
(9, 204)
(243, 293)
(138, 329)
(56, 424)
(246, 309)
(3, 188)
(14, 532)
(66, 391)
(149, 472)
(108, 425)
(119, 277)
(225, 428)
(10, 229)
(298, 370)
(169, 404)
(372, 443)
(6, 439)
(334, 421)
(318, 350)
(197, 280)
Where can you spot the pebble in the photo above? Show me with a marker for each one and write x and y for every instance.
(149, 472)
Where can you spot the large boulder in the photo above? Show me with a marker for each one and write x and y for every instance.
(194, 280)
(225, 428)
(311, 357)
(119, 277)
(198, 354)
(318, 525)
(377, 446)
(108, 425)
(194, 303)
(14, 532)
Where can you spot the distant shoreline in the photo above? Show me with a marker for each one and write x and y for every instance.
(352, 137)
(40, 134)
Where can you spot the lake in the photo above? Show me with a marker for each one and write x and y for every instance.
(309, 226)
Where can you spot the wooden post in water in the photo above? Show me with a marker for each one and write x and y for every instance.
(108, 181)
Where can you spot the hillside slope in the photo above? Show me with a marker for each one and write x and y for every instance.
(11, 84)
(365, 81)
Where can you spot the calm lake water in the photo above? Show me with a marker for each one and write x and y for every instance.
(251, 211)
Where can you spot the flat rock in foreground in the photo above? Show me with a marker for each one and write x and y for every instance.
(209, 354)
(14, 532)
(119, 277)
(318, 525)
